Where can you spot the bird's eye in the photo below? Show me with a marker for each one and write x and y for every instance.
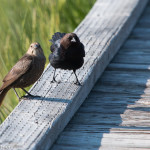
(31, 45)
(70, 37)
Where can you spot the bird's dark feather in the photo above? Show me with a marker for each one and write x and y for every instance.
(57, 36)
(70, 58)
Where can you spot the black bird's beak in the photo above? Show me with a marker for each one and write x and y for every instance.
(73, 40)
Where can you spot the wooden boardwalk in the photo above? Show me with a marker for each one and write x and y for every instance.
(116, 114)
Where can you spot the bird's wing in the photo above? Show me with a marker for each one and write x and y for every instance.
(56, 41)
(57, 36)
(83, 51)
(20, 68)
(55, 46)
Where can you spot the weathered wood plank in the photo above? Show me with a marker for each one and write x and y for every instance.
(137, 44)
(104, 128)
(110, 139)
(63, 147)
(144, 22)
(127, 67)
(133, 52)
(36, 123)
(133, 56)
(141, 33)
(134, 78)
(107, 88)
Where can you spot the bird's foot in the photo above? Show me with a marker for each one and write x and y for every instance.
(78, 83)
(54, 81)
(24, 97)
(28, 96)
(20, 98)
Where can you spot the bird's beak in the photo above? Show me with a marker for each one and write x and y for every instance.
(73, 40)
(36, 45)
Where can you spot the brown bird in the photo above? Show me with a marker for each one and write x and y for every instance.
(25, 72)
(67, 53)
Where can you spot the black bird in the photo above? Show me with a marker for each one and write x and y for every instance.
(67, 53)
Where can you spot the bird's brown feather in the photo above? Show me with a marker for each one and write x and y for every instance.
(17, 70)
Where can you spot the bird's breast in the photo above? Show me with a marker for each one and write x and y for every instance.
(32, 75)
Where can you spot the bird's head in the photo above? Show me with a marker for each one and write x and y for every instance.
(69, 39)
(35, 49)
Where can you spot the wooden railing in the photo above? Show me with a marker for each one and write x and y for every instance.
(36, 123)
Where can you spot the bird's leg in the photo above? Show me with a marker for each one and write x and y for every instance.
(54, 80)
(27, 92)
(16, 94)
(77, 81)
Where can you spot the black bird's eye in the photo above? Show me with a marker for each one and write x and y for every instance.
(31, 45)
(70, 37)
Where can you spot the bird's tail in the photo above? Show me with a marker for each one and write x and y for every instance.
(57, 36)
(3, 93)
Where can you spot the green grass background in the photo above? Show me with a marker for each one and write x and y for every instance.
(25, 21)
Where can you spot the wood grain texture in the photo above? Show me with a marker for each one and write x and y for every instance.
(36, 123)
(116, 113)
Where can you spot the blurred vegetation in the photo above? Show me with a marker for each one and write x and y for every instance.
(25, 21)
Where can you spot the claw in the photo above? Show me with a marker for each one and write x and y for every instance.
(78, 83)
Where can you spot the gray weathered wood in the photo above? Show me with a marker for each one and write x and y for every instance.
(115, 116)
(143, 33)
(36, 123)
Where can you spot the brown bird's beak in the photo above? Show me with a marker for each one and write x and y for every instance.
(73, 40)
(36, 45)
